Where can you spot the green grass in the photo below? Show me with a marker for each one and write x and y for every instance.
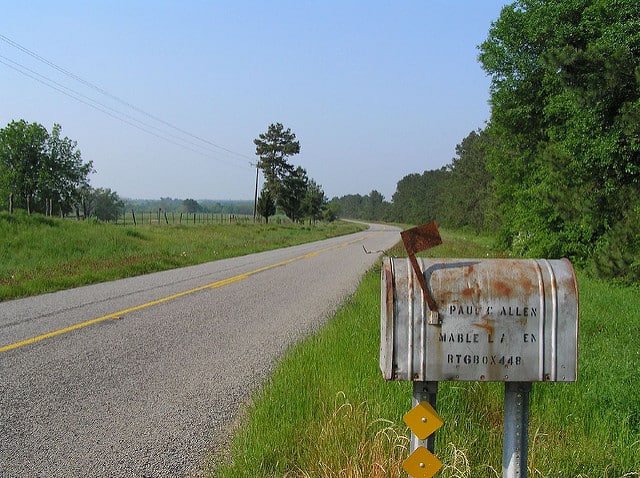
(326, 412)
(40, 254)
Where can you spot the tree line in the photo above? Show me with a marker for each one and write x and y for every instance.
(44, 172)
(458, 195)
(556, 170)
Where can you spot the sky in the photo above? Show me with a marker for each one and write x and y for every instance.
(166, 97)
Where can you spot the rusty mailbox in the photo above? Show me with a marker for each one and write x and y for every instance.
(494, 320)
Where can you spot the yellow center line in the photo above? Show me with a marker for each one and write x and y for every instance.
(213, 285)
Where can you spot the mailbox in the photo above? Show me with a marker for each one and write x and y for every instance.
(495, 320)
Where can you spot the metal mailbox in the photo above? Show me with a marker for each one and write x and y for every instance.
(496, 320)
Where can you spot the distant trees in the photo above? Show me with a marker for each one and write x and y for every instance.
(107, 203)
(191, 206)
(370, 207)
(38, 169)
(286, 187)
(458, 195)
(419, 197)
(175, 205)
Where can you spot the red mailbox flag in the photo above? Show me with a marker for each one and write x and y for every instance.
(419, 239)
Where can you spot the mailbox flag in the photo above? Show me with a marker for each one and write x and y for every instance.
(419, 239)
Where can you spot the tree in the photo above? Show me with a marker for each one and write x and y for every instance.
(85, 201)
(371, 207)
(292, 192)
(375, 205)
(314, 201)
(420, 198)
(37, 168)
(107, 203)
(63, 173)
(191, 206)
(350, 206)
(469, 194)
(22, 153)
(266, 204)
(565, 122)
(273, 149)
(331, 211)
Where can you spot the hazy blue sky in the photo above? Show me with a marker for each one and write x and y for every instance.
(374, 90)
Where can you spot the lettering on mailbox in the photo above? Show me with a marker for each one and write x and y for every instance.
(486, 341)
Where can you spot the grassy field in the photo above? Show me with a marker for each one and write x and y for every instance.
(41, 254)
(326, 412)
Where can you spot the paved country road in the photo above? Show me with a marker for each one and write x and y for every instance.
(141, 377)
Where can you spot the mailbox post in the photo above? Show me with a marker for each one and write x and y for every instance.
(504, 320)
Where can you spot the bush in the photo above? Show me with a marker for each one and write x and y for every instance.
(617, 252)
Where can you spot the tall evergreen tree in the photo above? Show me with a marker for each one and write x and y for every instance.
(273, 148)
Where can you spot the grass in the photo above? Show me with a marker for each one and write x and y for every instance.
(41, 254)
(326, 412)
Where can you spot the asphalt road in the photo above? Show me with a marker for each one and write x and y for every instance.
(141, 377)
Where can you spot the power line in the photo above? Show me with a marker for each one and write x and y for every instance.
(109, 95)
(112, 112)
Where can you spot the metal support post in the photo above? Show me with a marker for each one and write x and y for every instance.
(516, 429)
(424, 392)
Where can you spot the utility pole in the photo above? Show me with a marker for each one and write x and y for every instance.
(255, 196)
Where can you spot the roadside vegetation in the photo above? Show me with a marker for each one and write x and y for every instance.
(326, 411)
(556, 169)
(43, 254)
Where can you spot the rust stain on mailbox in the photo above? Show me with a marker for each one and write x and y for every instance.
(500, 320)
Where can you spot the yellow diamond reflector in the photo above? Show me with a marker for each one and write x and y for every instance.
(423, 420)
(422, 463)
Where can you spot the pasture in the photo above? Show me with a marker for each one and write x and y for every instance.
(41, 254)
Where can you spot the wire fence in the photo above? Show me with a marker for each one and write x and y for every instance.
(160, 217)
